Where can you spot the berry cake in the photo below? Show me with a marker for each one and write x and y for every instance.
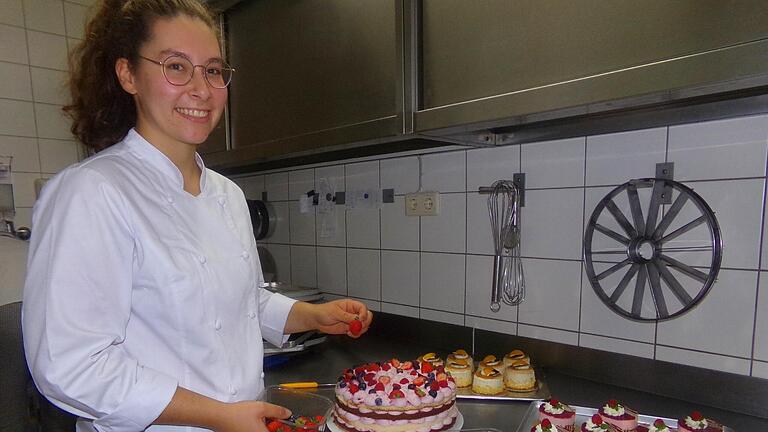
(696, 422)
(395, 396)
(558, 413)
(596, 424)
(616, 414)
(658, 426)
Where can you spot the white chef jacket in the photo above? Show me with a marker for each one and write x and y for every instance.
(134, 286)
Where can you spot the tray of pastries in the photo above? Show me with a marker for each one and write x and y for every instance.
(554, 416)
(509, 377)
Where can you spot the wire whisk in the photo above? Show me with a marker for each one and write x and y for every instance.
(508, 277)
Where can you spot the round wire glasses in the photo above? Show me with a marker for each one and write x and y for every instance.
(179, 70)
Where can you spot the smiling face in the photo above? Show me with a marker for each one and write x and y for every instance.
(176, 119)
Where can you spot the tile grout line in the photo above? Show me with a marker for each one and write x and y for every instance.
(583, 228)
(759, 265)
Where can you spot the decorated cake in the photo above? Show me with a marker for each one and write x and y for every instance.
(596, 424)
(696, 422)
(460, 356)
(514, 356)
(432, 359)
(461, 372)
(519, 376)
(558, 414)
(487, 381)
(623, 418)
(395, 396)
(545, 426)
(658, 426)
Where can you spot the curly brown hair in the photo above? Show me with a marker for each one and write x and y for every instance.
(102, 112)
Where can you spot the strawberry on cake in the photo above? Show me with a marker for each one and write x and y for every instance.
(395, 396)
(695, 422)
(658, 425)
(558, 413)
(596, 424)
(618, 415)
(545, 426)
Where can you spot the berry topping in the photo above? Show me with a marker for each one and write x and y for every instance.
(443, 383)
(659, 423)
(379, 387)
(370, 376)
(427, 367)
(441, 376)
(419, 380)
(411, 386)
(384, 379)
(372, 391)
(342, 384)
(407, 365)
(546, 423)
(596, 419)
(613, 403)
(395, 362)
(396, 394)
(404, 381)
(353, 388)
(378, 401)
(554, 402)
(396, 386)
(433, 393)
(359, 370)
(434, 385)
(386, 366)
(362, 386)
(355, 327)
(696, 416)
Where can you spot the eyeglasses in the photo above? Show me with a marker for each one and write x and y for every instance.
(178, 70)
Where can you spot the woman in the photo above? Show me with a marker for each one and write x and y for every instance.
(142, 306)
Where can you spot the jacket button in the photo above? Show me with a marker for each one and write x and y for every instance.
(232, 390)
(245, 255)
(217, 324)
(251, 315)
(222, 202)
(169, 199)
(202, 259)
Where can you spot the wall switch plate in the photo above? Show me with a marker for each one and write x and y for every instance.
(422, 204)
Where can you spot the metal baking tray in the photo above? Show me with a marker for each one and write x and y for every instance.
(540, 392)
(583, 414)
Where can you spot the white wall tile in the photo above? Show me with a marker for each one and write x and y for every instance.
(479, 286)
(44, 15)
(24, 189)
(23, 151)
(479, 237)
(620, 346)
(362, 176)
(15, 83)
(303, 266)
(446, 232)
(52, 122)
(400, 277)
(277, 186)
(551, 223)
(75, 17)
(363, 228)
(398, 231)
(330, 178)
(18, 118)
(400, 174)
(372, 305)
(281, 255)
(440, 316)
(56, 155)
(47, 50)
(444, 172)
(49, 86)
(719, 149)
(23, 217)
(738, 208)
(401, 310)
(557, 163)
(552, 335)
(331, 226)
(442, 282)
(598, 318)
(302, 225)
(551, 294)
(485, 166)
(83, 2)
(282, 231)
(761, 324)
(497, 326)
(13, 13)
(613, 159)
(760, 369)
(722, 322)
(252, 186)
(332, 270)
(13, 44)
(364, 273)
(703, 360)
(300, 182)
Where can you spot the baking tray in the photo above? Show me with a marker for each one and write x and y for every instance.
(540, 392)
(583, 414)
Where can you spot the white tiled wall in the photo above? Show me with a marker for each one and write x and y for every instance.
(34, 40)
(439, 268)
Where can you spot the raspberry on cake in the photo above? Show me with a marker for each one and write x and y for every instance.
(695, 422)
(616, 414)
(395, 396)
(658, 426)
(545, 426)
(558, 413)
(596, 424)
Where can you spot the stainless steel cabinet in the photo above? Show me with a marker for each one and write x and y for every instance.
(311, 74)
(485, 60)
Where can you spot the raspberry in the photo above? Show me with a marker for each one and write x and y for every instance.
(696, 416)
(355, 327)
(404, 381)
(596, 419)
(554, 402)
(546, 423)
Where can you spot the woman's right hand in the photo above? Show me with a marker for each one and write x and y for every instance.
(249, 416)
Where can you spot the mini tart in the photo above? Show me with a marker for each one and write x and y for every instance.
(491, 361)
(695, 422)
(514, 356)
(460, 371)
(432, 359)
(558, 413)
(621, 417)
(519, 376)
(460, 354)
(487, 381)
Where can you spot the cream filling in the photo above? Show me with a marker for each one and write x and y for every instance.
(424, 424)
(619, 411)
(552, 409)
(691, 423)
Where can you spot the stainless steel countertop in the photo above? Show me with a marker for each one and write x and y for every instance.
(325, 362)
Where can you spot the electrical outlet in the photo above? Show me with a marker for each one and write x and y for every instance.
(422, 204)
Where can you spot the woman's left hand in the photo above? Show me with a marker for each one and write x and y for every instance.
(338, 317)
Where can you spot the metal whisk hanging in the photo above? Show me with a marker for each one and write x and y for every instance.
(508, 278)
